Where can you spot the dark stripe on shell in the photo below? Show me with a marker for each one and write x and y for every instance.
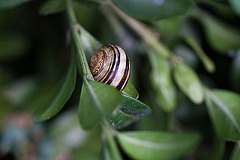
(117, 66)
(122, 83)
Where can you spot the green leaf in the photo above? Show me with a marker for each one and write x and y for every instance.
(61, 95)
(152, 10)
(120, 120)
(157, 145)
(128, 111)
(236, 152)
(130, 90)
(133, 107)
(52, 7)
(221, 36)
(235, 5)
(171, 26)
(5, 4)
(223, 108)
(96, 100)
(162, 82)
(188, 82)
(207, 62)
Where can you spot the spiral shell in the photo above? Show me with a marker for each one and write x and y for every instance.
(110, 65)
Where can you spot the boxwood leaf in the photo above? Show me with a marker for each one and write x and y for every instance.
(96, 100)
(156, 145)
(221, 36)
(133, 107)
(128, 111)
(5, 4)
(52, 6)
(130, 90)
(120, 119)
(155, 9)
(60, 96)
(162, 82)
(188, 82)
(223, 108)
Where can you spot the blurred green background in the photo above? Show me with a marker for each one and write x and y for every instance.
(35, 54)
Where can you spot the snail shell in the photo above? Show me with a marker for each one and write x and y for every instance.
(110, 65)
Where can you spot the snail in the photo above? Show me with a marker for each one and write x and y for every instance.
(110, 65)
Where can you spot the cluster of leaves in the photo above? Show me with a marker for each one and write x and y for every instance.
(171, 77)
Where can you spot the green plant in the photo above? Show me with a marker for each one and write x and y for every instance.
(164, 32)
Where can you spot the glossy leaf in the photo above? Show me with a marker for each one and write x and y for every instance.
(130, 90)
(61, 95)
(221, 36)
(5, 4)
(162, 82)
(52, 6)
(236, 152)
(120, 119)
(188, 82)
(128, 111)
(154, 9)
(157, 145)
(207, 62)
(223, 108)
(235, 5)
(133, 107)
(96, 100)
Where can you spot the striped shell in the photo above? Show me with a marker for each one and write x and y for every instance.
(110, 65)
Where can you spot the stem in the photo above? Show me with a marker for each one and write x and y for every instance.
(207, 62)
(77, 41)
(145, 33)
